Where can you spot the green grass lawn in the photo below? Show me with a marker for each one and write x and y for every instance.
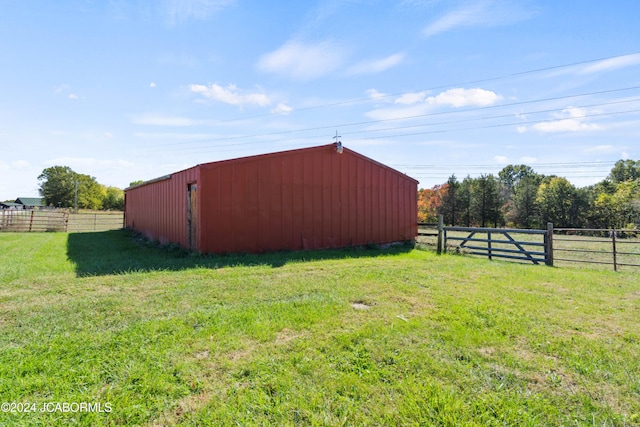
(349, 337)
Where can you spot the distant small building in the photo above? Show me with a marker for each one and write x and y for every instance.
(311, 198)
(10, 205)
(30, 202)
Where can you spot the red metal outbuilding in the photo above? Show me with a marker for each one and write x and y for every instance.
(311, 198)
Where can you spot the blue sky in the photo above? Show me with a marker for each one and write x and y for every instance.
(134, 89)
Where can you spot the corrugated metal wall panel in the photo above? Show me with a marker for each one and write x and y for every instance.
(301, 199)
(159, 209)
(304, 199)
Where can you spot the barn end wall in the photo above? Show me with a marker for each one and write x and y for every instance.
(303, 199)
(158, 208)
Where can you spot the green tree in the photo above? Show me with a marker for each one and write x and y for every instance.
(486, 202)
(464, 198)
(519, 185)
(57, 186)
(511, 175)
(559, 202)
(524, 211)
(450, 207)
(620, 209)
(114, 199)
(625, 170)
(90, 193)
(60, 186)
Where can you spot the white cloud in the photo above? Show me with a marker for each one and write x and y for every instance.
(61, 89)
(417, 103)
(571, 119)
(528, 160)
(573, 112)
(482, 13)
(282, 109)
(230, 95)
(612, 64)
(304, 61)
(180, 11)
(411, 98)
(152, 85)
(64, 89)
(464, 97)
(565, 125)
(502, 160)
(375, 94)
(377, 65)
(624, 155)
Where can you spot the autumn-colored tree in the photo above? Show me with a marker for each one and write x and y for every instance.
(429, 201)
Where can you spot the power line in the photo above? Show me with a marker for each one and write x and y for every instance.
(468, 82)
(458, 112)
(430, 132)
(495, 125)
(503, 116)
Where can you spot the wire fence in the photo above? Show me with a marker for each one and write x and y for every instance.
(611, 247)
(617, 249)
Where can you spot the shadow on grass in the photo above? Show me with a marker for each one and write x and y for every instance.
(124, 251)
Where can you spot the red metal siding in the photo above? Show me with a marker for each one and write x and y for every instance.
(301, 199)
(159, 209)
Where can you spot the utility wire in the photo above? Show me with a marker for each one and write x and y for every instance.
(468, 82)
(370, 122)
(399, 135)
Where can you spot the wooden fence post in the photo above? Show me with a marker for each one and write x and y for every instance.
(548, 247)
(441, 242)
(613, 243)
(31, 222)
(489, 245)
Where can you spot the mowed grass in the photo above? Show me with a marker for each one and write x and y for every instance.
(349, 337)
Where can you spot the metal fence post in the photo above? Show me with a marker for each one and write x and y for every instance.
(548, 247)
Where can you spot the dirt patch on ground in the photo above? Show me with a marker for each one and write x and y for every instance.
(287, 335)
(361, 305)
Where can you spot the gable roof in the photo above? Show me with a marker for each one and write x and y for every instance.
(30, 201)
(276, 154)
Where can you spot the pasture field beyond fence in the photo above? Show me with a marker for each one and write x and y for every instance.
(152, 335)
(572, 249)
(59, 220)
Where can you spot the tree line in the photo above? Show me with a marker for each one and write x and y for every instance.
(520, 197)
(61, 187)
